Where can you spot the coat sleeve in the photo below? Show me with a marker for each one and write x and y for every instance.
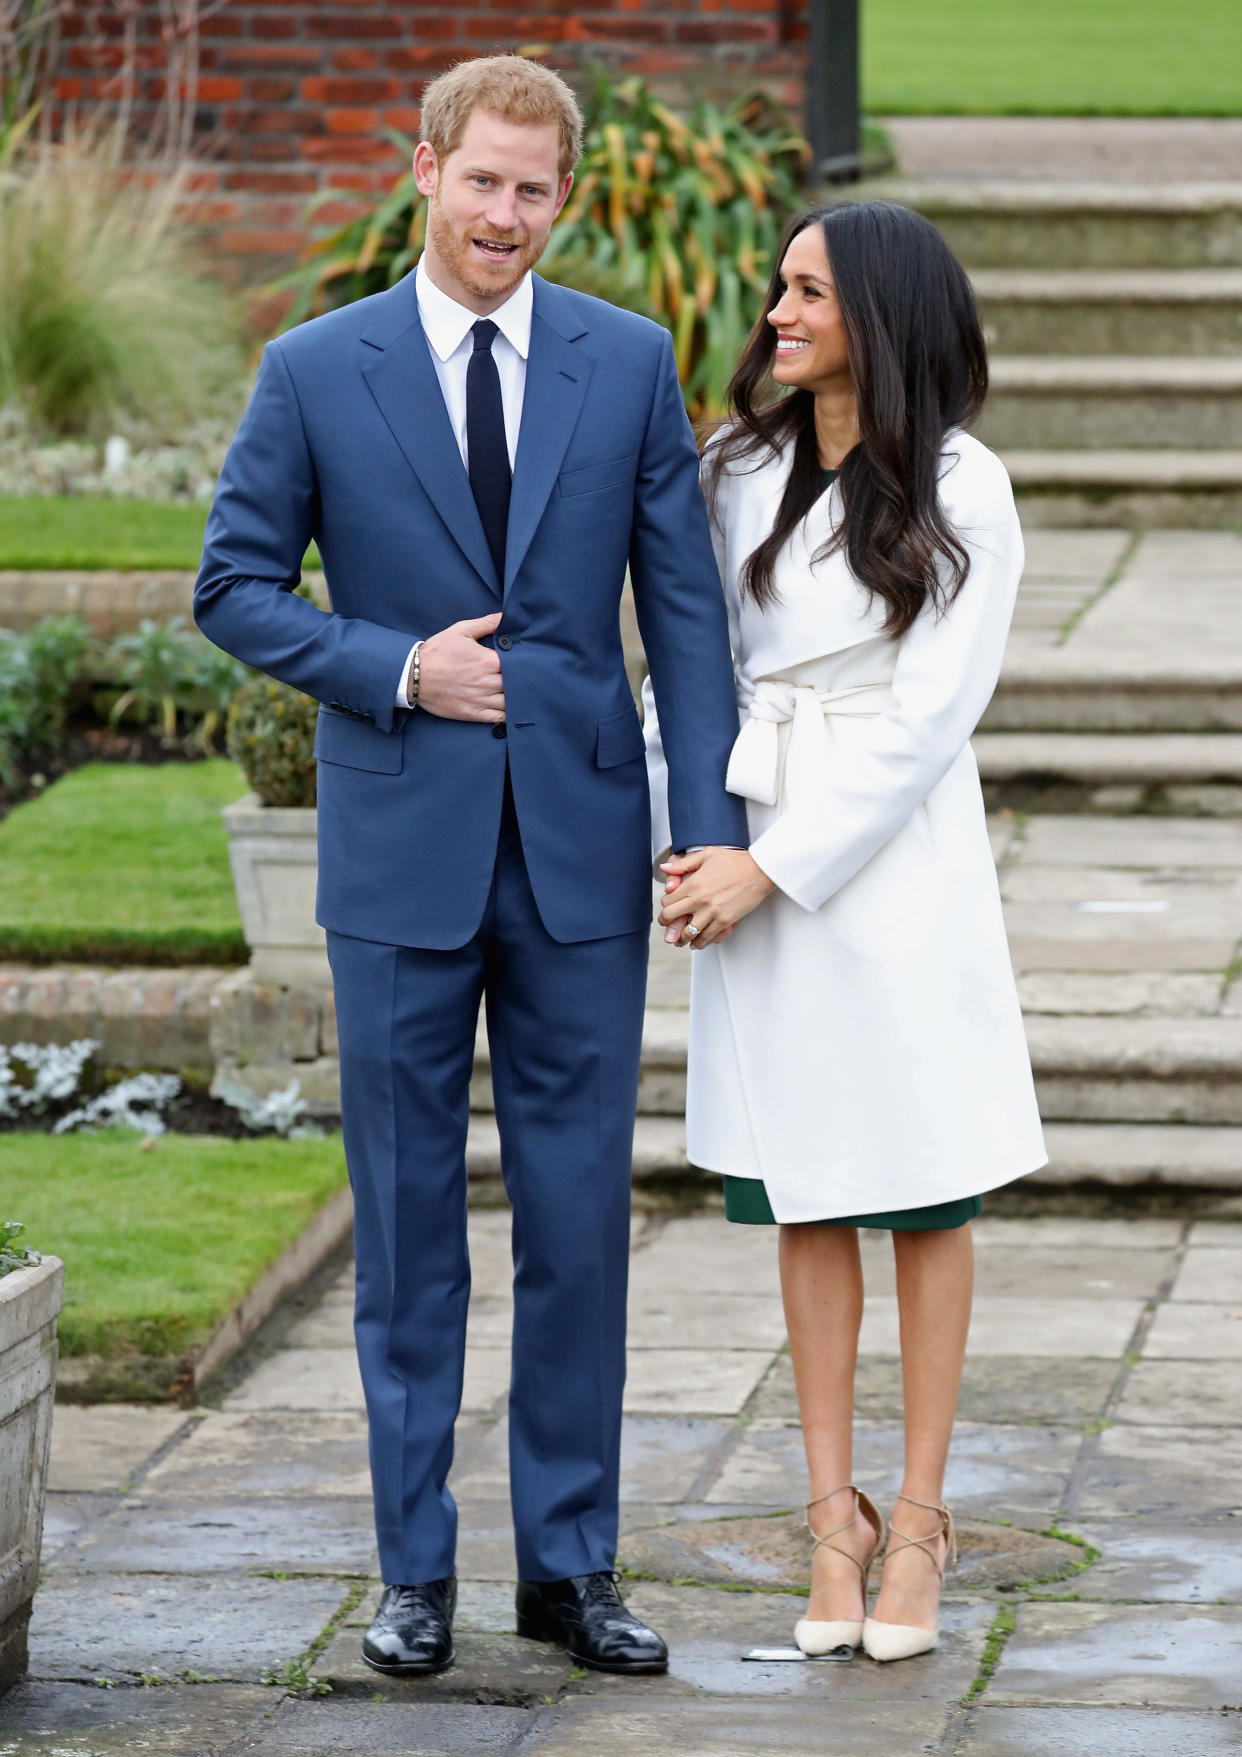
(947, 668)
(264, 514)
(682, 620)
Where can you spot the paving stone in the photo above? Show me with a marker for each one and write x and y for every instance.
(1087, 1272)
(390, 1729)
(661, 1458)
(232, 1453)
(1071, 1232)
(1187, 1331)
(330, 1325)
(81, 1720)
(306, 1536)
(995, 1388)
(66, 1516)
(1184, 1393)
(485, 1538)
(1163, 1473)
(1169, 1656)
(301, 1378)
(1210, 1272)
(692, 1318)
(1133, 994)
(704, 1254)
(708, 1631)
(1186, 1564)
(1132, 842)
(630, 1727)
(100, 1446)
(1216, 1232)
(124, 1626)
(1009, 1471)
(501, 1669)
(1090, 1732)
(686, 1381)
(1054, 1328)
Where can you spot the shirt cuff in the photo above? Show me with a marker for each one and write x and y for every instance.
(403, 701)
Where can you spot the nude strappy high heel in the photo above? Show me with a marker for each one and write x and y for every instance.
(816, 1638)
(884, 1641)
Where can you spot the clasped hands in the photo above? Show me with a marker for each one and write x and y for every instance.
(711, 889)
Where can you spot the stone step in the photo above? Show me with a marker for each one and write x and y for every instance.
(1085, 402)
(1078, 225)
(1067, 689)
(1087, 1069)
(1100, 758)
(1126, 487)
(1152, 1155)
(1111, 311)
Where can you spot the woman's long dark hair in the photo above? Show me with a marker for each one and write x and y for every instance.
(919, 365)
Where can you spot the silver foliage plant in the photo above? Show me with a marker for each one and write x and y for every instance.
(52, 1071)
(280, 1110)
(119, 1106)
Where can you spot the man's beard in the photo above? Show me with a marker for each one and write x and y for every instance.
(455, 252)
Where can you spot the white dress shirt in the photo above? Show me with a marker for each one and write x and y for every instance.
(448, 328)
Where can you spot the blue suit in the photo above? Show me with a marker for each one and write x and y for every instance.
(460, 861)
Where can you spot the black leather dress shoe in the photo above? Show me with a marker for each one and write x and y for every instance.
(588, 1614)
(413, 1628)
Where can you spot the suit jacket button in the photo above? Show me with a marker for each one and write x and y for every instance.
(503, 642)
(498, 731)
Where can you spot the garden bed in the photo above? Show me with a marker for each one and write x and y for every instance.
(162, 1243)
(122, 863)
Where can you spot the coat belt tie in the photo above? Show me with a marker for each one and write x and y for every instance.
(754, 766)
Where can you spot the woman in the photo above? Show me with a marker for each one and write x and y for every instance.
(857, 1055)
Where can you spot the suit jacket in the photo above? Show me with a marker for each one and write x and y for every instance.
(346, 440)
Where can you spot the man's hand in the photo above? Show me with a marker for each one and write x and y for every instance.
(459, 679)
(714, 887)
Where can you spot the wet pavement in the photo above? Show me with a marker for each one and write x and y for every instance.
(201, 1567)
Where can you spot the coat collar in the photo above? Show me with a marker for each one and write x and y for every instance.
(402, 379)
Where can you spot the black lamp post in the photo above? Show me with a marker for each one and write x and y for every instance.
(834, 126)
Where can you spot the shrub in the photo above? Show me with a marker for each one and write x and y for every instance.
(39, 672)
(271, 737)
(12, 1254)
(105, 313)
(679, 219)
(169, 669)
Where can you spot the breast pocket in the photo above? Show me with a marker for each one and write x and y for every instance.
(355, 744)
(594, 478)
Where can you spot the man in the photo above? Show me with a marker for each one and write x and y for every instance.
(478, 454)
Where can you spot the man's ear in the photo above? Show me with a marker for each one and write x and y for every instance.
(563, 194)
(426, 168)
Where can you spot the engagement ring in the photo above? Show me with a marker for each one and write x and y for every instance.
(692, 932)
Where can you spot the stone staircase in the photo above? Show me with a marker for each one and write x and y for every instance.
(1114, 317)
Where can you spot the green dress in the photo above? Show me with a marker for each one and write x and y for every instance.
(746, 1200)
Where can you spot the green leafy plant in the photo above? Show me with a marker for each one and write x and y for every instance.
(157, 663)
(271, 737)
(679, 218)
(105, 312)
(39, 672)
(13, 1255)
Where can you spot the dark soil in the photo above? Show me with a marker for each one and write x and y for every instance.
(192, 1112)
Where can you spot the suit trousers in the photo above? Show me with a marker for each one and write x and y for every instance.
(564, 1025)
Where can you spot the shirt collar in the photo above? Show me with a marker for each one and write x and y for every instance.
(446, 324)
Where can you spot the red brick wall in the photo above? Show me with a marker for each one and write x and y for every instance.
(293, 95)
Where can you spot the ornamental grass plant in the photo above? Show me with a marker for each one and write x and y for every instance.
(676, 217)
(107, 320)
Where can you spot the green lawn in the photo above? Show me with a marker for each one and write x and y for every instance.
(67, 531)
(123, 863)
(159, 1243)
(1108, 57)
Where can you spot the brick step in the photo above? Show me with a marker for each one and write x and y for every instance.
(1111, 311)
(1086, 225)
(1135, 1155)
(1104, 401)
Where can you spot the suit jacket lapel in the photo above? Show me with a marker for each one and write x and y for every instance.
(557, 375)
(402, 378)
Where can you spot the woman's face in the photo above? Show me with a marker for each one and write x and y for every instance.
(811, 350)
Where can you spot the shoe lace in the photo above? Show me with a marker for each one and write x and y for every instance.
(602, 1589)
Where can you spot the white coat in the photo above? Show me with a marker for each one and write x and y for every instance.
(857, 1043)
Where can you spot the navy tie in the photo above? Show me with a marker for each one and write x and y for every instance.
(486, 445)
